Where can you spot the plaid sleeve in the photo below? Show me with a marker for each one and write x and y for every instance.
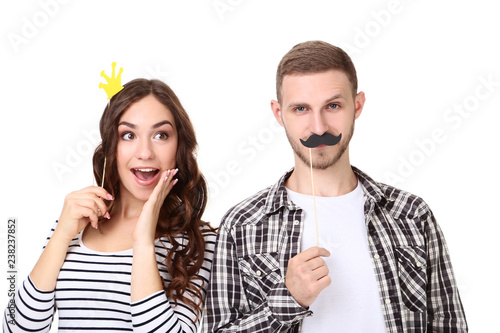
(444, 307)
(228, 308)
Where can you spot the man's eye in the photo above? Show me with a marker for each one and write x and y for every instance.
(161, 136)
(128, 136)
(333, 106)
(300, 108)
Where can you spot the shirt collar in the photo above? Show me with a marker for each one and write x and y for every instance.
(372, 189)
(277, 196)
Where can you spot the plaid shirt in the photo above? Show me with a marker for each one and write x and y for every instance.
(257, 238)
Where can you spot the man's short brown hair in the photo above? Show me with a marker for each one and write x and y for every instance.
(315, 57)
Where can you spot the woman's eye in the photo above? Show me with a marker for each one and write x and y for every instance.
(128, 136)
(161, 136)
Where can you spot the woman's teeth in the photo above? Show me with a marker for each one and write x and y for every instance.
(145, 173)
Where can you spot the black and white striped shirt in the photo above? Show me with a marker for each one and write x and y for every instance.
(93, 294)
(257, 238)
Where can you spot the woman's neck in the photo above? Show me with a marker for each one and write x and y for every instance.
(128, 209)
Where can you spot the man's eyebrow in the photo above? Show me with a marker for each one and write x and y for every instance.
(328, 100)
(334, 97)
(296, 104)
(161, 123)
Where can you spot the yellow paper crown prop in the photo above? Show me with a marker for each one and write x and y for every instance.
(114, 83)
(112, 88)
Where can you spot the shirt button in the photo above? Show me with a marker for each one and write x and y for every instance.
(258, 273)
(419, 264)
(296, 222)
(376, 256)
(387, 301)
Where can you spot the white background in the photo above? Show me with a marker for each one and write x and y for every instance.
(418, 63)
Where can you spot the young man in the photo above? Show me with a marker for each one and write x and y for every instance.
(381, 264)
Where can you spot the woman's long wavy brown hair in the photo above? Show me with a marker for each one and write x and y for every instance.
(181, 212)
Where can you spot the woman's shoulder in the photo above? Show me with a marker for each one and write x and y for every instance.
(210, 236)
(208, 233)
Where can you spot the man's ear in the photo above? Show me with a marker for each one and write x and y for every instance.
(275, 106)
(359, 102)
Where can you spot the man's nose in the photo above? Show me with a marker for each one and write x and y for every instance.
(318, 123)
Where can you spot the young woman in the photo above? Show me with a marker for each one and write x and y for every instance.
(133, 255)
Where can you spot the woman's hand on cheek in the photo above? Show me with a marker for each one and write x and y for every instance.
(145, 229)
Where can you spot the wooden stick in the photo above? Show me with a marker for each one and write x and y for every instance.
(103, 173)
(314, 196)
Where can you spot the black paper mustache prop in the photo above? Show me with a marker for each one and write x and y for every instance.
(316, 140)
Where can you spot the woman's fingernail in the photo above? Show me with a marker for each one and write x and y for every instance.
(110, 197)
(107, 215)
(175, 182)
(168, 174)
(175, 171)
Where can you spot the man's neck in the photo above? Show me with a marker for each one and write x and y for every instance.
(336, 180)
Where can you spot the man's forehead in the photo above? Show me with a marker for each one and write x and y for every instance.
(322, 85)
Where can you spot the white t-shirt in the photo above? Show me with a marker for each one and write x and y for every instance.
(351, 303)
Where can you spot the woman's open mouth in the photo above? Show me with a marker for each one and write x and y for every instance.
(145, 176)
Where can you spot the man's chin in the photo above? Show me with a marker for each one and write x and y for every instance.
(322, 158)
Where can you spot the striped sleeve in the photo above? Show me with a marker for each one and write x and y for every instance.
(156, 313)
(30, 310)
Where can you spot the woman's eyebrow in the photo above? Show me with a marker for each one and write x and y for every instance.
(161, 123)
(126, 123)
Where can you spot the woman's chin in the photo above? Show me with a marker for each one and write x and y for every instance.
(140, 195)
(143, 195)
(137, 192)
